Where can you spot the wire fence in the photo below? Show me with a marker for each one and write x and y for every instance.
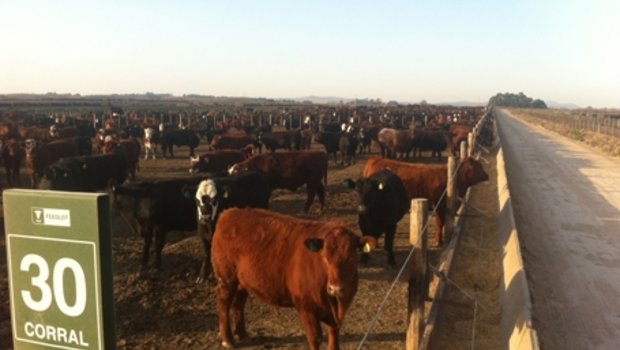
(608, 124)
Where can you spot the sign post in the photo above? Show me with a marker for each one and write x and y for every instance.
(60, 269)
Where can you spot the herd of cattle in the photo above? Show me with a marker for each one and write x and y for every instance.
(283, 260)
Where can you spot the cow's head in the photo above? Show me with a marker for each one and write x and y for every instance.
(470, 172)
(206, 201)
(370, 192)
(194, 163)
(338, 248)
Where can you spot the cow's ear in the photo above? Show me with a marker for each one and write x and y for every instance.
(367, 244)
(314, 244)
(348, 183)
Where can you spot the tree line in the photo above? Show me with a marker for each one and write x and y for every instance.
(519, 100)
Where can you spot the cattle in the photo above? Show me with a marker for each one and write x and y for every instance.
(230, 142)
(12, 156)
(151, 140)
(366, 135)
(129, 148)
(33, 132)
(347, 144)
(218, 161)
(290, 170)
(216, 194)
(459, 133)
(285, 262)
(85, 173)
(100, 137)
(57, 132)
(382, 203)
(428, 139)
(178, 137)
(156, 207)
(305, 139)
(277, 139)
(430, 181)
(331, 141)
(393, 141)
(39, 155)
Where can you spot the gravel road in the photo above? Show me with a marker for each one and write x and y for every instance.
(566, 200)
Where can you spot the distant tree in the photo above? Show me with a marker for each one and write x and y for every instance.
(519, 100)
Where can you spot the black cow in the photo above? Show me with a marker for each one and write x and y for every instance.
(178, 137)
(214, 195)
(276, 139)
(429, 139)
(331, 141)
(85, 173)
(383, 201)
(157, 207)
(348, 146)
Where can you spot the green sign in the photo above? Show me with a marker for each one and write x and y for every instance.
(60, 269)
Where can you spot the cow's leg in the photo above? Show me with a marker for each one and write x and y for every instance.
(147, 234)
(160, 240)
(311, 192)
(205, 270)
(440, 220)
(389, 244)
(321, 193)
(312, 327)
(225, 295)
(332, 338)
(238, 313)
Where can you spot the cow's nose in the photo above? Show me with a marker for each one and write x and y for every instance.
(361, 209)
(334, 290)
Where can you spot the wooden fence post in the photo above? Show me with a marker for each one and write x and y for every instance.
(450, 199)
(418, 277)
(470, 144)
(463, 151)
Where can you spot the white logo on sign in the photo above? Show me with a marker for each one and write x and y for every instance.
(51, 217)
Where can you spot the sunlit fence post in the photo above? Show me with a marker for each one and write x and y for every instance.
(418, 277)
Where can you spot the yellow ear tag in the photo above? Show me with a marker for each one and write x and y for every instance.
(225, 195)
(366, 248)
(380, 186)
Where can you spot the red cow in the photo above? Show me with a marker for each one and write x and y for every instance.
(218, 161)
(12, 156)
(430, 181)
(40, 155)
(290, 170)
(394, 141)
(285, 262)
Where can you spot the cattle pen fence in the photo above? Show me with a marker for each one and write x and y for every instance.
(579, 120)
(420, 325)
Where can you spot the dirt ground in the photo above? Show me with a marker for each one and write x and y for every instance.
(168, 310)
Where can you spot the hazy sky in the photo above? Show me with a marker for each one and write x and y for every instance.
(436, 50)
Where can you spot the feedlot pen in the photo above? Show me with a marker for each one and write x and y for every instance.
(168, 310)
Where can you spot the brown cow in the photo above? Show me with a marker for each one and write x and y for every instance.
(33, 132)
(458, 133)
(39, 155)
(230, 142)
(130, 148)
(393, 141)
(218, 161)
(12, 156)
(290, 170)
(430, 181)
(285, 262)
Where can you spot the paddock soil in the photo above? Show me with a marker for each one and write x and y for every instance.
(168, 310)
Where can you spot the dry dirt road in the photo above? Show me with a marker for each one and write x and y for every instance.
(566, 201)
